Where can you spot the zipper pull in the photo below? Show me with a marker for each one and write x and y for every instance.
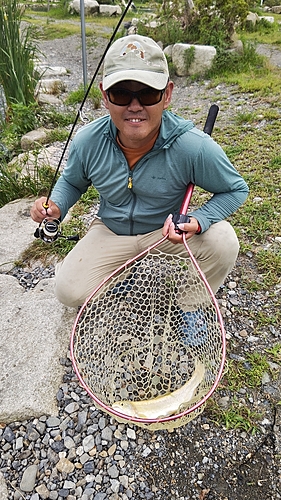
(130, 182)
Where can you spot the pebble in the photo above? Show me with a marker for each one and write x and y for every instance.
(65, 465)
(29, 478)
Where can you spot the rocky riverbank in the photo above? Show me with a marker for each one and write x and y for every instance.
(81, 453)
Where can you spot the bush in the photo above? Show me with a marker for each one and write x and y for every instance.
(230, 62)
(221, 14)
(211, 22)
(18, 49)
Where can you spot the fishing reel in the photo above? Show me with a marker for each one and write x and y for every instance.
(49, 231)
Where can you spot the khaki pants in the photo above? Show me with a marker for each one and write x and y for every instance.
(101, 251)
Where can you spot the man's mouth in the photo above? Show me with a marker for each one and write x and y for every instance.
(135, 120)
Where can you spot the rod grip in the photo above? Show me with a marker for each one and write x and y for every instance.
(211, 118)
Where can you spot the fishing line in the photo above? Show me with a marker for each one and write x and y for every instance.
(79, 112)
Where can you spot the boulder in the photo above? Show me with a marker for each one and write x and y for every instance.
(35, 328)
(29, 162)
(252, 18)
(51, 86)
(29, 140)
(35, 333)
(276, 9)
(203, 58)
(110, 10)
(90, 7)
(269, 19)
(49, 99)
(17, 229)
(51, 70)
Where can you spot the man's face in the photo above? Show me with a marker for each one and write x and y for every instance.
(136, 123)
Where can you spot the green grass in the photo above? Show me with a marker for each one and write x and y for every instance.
(14, 185)
(248, 373)
(275, 353)
(77, 96)
(51, 24)
(265, 32)
(244, 374)
(236, 416)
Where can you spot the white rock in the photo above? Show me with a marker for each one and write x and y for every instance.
(203, 58)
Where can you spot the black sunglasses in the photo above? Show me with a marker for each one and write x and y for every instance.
(123, 97)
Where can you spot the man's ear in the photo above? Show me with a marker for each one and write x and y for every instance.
(168, 94)
(104, 96)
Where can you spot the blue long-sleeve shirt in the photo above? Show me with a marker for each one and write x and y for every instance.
(138, 201)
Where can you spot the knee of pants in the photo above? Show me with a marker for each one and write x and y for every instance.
(220, 243)
(66, 291)
(227, 245)
(217, 252)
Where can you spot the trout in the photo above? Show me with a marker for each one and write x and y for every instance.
(166, 405)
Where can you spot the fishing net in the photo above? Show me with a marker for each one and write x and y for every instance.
(142, 333)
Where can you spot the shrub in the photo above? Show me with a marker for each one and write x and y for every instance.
(18, 49)
(211, 22)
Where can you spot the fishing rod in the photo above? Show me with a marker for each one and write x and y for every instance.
(48, 230)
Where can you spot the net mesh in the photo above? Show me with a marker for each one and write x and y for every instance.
(142, 334)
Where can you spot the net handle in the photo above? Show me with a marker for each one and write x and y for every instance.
(208, 128)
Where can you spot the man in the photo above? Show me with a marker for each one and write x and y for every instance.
(140, 158)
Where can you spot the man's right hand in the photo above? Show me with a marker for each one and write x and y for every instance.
(38, 211)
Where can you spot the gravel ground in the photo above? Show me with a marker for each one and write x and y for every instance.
(82, 453)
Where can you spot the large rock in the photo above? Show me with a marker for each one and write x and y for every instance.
(49, 99)
(276, 9)
(28, 163)
(53, 86)
(269, 19)
(110, 10)
(35, 333)
(202, 61)
(90, 7)
(17, 229)
(3, 488)
(252, 18)
(50, 71)
(38, 136)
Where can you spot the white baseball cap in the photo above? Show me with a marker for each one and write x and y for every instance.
(138, 58)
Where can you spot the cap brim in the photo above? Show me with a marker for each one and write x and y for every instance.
(152, 79)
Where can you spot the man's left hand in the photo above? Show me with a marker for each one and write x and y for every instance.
(189, 228)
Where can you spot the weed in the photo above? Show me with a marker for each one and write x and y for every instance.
(47, 116)
(189, 56)
(275, 352)
(78, 95)
(269, 262)
(57, 135)
(14, 185)
(21, 118)
(236, 416)
(245, 118)
(246, 373)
